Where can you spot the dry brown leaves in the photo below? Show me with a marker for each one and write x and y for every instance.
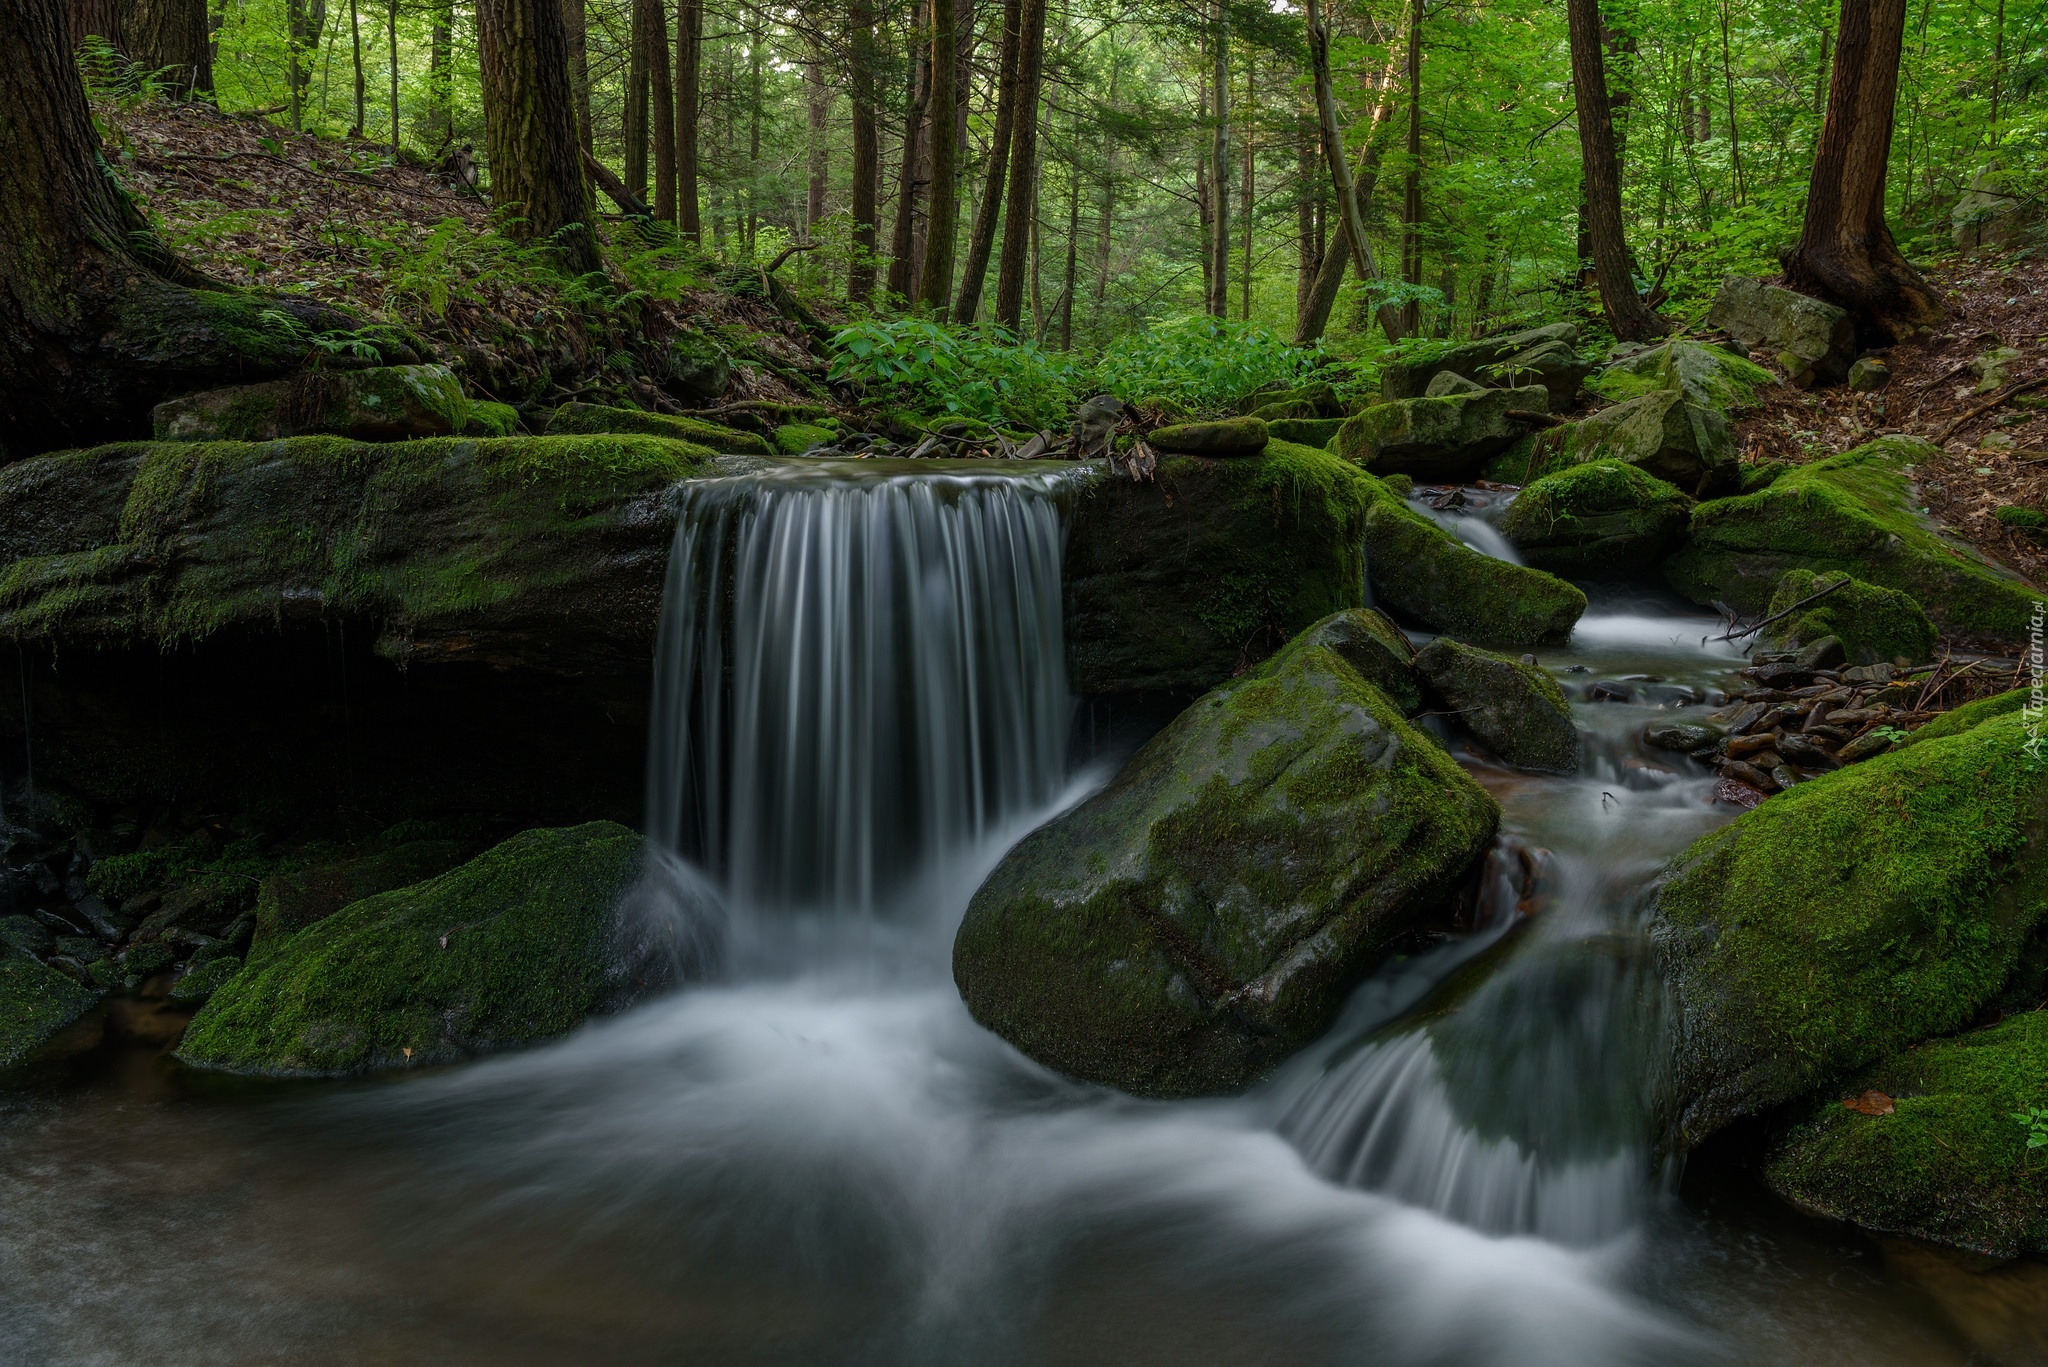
(1870, 1103)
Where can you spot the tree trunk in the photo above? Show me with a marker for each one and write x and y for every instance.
(391, 32)
(1411, 181)
(355, 34)
(1107, 207)
(917, 101)
(661, 107)
(530, 129)
(1728, 85)
(440, 118)
(935, 286)
(1219, 163)
(1073, 257)
(1626, 313)
(100, 321)
(639, 98)
(981, 242)
(1246, 196)
(1307, 190)
(688, 104)
(1846, 254)
(755, 47)
(865, 191)
(1352, 193)
(169, 37)
(1023, 186)
(578, 20)
(817, 113)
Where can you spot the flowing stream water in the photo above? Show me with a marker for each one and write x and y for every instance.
(818, 1158)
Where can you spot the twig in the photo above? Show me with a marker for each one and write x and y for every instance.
(2019, 387)
(1753, 630)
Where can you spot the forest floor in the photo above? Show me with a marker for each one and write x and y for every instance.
(1993, 301)
(252, 204)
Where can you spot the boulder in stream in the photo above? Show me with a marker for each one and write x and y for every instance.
(1870, 624)
(1447, 437)
(1206, 913)
(1516, 710)
(1224, 437)
(521, 944)
(1708, 376)
(1596, 519)
(1850, 917)
(1376, 648)
(36, 1003)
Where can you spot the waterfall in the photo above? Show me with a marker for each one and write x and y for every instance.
(860, 673)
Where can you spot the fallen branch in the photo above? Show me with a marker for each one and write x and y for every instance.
(629, 203)
(1753, 630)
(788, 252)
(2018, 387)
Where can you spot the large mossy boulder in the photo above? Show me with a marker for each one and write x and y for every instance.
(36, 1003)
(1599, 518)
(289, 902)
(1175, 584)
(1949, 1161)
(1812, 341)
(1421, 571)
(1445, 438)
(586, 419)
(1376, 648)
(1663, 435)
(522, 944)
(1850, 917)
(1708, 376)
(1206, 914)
(1873, 624)
(1515, 710)
(1316, 432)
(1541, 356)
(1224, 437)
(1854, 513)
(379, 403)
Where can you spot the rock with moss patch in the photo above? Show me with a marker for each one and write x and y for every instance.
(1868, 374)
(795, 438)
(1663, 435)
(573, 419)
(1206, 914)
(201, 982)
(1513, 709)
(487, 419)
(1228, 437)
(695, 368)
(1531, 456)
(1708, 376)
(1849, 917)
(289, 902)
(1812, 341)
(1541, 356)
(522, 944)
(1444, 438)
(380, 403)
(1375, 647)
(1420, 570)
(36, 1003)
(1598, 518)
(1175, 584)
(1855, 513)
(1950, 1160)
(1314, 399)
(1872, 624)
(1317, 432)
(2030, 523)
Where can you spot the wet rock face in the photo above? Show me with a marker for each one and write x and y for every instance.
(1514, 709)
(381, 403)
(1445, 437)
(1596, 519)
(1376, 648)
(1665, 437)
(1814, 342)
(582, 419)
(1205, 915)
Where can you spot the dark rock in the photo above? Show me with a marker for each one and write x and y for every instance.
(1678, 735)
(586, 419)
(1444, 438)
(1804, 749)
(695, 368)
(1784, 776)
(1597, 518)
(1868, 623)
(1783, 676)
(1664, 436)
(1228, 437)
(1737, 794)
(201, 981)
(1449, 382)
(1376, 648)
(1515, 710)
(289, 902)
(382, 403)
(1813, 342)
(1824, 653)
(36, 1002)
(27, 934)
(1744, 772)
(1207, 913)
(1869, 374)
(1609, 690)
(83, 950)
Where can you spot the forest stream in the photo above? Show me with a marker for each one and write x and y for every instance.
(814, 1154)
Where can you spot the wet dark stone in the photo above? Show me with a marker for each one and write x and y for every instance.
(1783, 676)
(1609, 690)
(1678, 735)
(1801, 749)
(1743, 772)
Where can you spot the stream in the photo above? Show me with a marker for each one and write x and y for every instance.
(817, 1157)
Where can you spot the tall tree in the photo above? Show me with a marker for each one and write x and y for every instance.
(439, 124)
(935, 283)
(981, 241)
(864, 195)
(98, 322)
(1353, 193)
(391, 33)
(1219, 165)
(1023, 186)
(817, 114)
(910, 165)
(575, 14)
(1411, 178)
(1626, 313)
(639, 96)
(661, 106)
(355, 34)
(688, 110)
(1846, 254)
(530, 129)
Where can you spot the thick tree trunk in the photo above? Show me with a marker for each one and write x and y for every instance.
(530, 129)
(1846, 254)
(661, 107)
(981, 242)
(865, 192)
(578, 22)
(1353, 193)
(935, 283)
(355, 35)
(817, 114)
(1023, 186)
(97, 321)
(639, 98)
(916, 104)
(1626, 313)
(688, 104)
(169, 37)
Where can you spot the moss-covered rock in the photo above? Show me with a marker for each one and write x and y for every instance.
(1873, 624)
(487, 419)
(289, 902)
(201, 982)
(1761, 475)
(1444, 438)
(1812, 341)
(1177, 583)
(1849, 917)
(1950, 1162)
(1957, 720)
(1515, 710)
(795, 438)
(380, 403)
(1315, 399)
(519, 945)
(1375, 647)
(1602, 517)
(578, 419)
(1855, 513)
(1531, 456)
(35, 1004)
(1663, 435)
(1228, 437)
(1205, 914)
(695, 368)
(1541, 356)
(1316, 432)
(1418, 569)
(1708, 376)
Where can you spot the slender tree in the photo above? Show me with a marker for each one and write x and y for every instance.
(530, 129)
(1626, 313)
(391, 33)
(1846, 254)
(661, 106)
(355, 34)
(935, 283)
(689, 99)
(1023, 186)
(817, 115)
(440, 116)
(576, 15)
(639, 97)
(1411, 177)
(1219, 165)
(981, 241)
(865, 192)
(1353, 193)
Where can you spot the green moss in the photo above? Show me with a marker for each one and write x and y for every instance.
(1957, 720)
(291, 900)
(795, 438)
(1873, 624)
(1533, 455)
(589, 418)
(1514, 709)
(1851, 916)
(516, 946)
(487, 419)
(1226, 437)
(35, 1003)
(201, 983)
(1707, 375)
(1596, 519)
(1316, 432)
(1852, 513)
(1762, 475)
(1951, 1162)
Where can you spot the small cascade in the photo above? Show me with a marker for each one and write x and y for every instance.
(861, 674)
(1469, 514)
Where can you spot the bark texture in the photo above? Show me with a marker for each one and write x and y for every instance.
(1846, 254)
(689, 98)
(935, 281)
(1023, 188)
(865, 192)
(530, 128)
(982, 241)
(1626, 314)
